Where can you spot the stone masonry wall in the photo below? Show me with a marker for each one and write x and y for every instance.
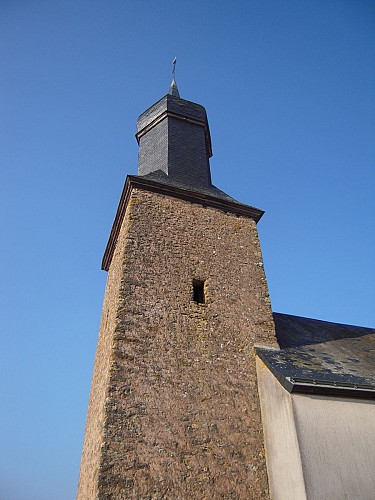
(93, 441)
(181, 408)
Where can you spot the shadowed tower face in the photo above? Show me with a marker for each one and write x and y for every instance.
(174, 409)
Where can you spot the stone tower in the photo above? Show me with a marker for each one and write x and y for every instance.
(174, 409)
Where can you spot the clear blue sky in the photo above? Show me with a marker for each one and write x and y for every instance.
(289, 87)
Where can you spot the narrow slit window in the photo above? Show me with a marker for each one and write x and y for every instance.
(198, 291)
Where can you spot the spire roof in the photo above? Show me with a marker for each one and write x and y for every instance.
(173, 90)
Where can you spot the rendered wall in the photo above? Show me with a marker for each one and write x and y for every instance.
(284, 465)
(337, 446)
(182, 415)
(317, 448)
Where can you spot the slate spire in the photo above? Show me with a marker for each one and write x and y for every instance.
(173, 90)
(174, 139)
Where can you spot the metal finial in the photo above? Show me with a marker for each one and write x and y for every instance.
(173, 88)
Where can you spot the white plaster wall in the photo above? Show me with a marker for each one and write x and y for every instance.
(317, 448)
(337, 445)
(284, 467)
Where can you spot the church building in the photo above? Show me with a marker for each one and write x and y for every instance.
(199, 390)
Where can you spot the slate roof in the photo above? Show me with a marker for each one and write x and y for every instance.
(160, 176)
(322, 357)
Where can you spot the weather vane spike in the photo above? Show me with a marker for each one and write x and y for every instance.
(173, 88)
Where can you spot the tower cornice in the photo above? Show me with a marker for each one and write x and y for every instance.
(137, 182)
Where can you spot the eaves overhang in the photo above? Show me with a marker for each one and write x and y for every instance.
(137, 182)
(317, 386)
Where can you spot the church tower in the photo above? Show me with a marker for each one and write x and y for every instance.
(174, 409)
